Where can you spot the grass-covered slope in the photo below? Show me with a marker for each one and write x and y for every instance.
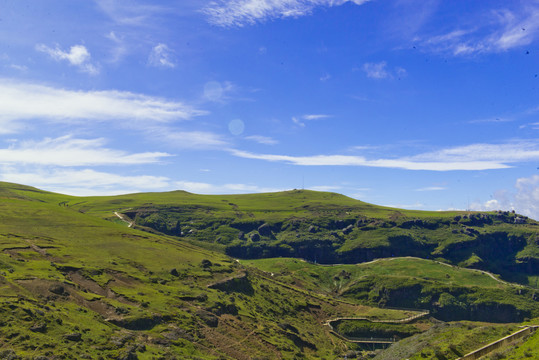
(321, 227)
(77, 282)
(449, 292)
(74, 285)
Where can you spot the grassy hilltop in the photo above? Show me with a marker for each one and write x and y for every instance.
(77, 282)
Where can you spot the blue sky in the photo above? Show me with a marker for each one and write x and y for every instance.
(429, 105)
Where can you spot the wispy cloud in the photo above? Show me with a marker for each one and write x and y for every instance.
(219, 91)
(119, 50)
(325, 77)
(21, 68)
(470, 157)
(266, 140)
(500, 30)
(60, 105)
(162, 56)
(417, 205)
(77, 56)
(69, 151)
(297, 121)
(300, 120)
(327, 188)
(132, 13)
(491, 120)
(237, 13)
(85, 182)
(315, 116)
(511, 152)
(207, 188)
(380, 71)
(190, 139)
(431, 188)
(376, 70)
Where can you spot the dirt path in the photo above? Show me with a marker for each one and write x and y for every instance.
(438, 262)
(124, 219)
(398, 321)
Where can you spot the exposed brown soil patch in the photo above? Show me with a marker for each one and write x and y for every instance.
(232, 336)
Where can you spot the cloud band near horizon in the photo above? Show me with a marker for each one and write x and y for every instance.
(475, 157)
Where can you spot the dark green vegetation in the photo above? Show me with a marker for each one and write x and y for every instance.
(77, 282)
(363, 329)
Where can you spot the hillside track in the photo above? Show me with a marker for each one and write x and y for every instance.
(493, 276)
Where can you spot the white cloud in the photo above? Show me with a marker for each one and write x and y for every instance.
(84, 182)
(431, 188)
(25, 101)
(220, 92)
(502, 30)
(516, 151)
(315, 116)
(132, 13)
(308, 117)
(191, 139)
(248, 12)
(518, 29)
(525, 200)
(406, 206)
(161, 56)
(347, 160)
(325, 77)
(120, 49)
(491, 120)
(206, 188)
(380, 71)
(527, 196)
(376, 70)
(298, 122)
(470, 157)
(68, 151)
(266, 140)
(21, 68)
(326, 188)
(77, 56)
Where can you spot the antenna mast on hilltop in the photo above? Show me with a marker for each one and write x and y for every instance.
(303, 183)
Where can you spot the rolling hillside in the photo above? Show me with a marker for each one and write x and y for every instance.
(77, 282)
(322, 227)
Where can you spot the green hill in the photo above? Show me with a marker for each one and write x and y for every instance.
(322, 227)
(77, 282)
